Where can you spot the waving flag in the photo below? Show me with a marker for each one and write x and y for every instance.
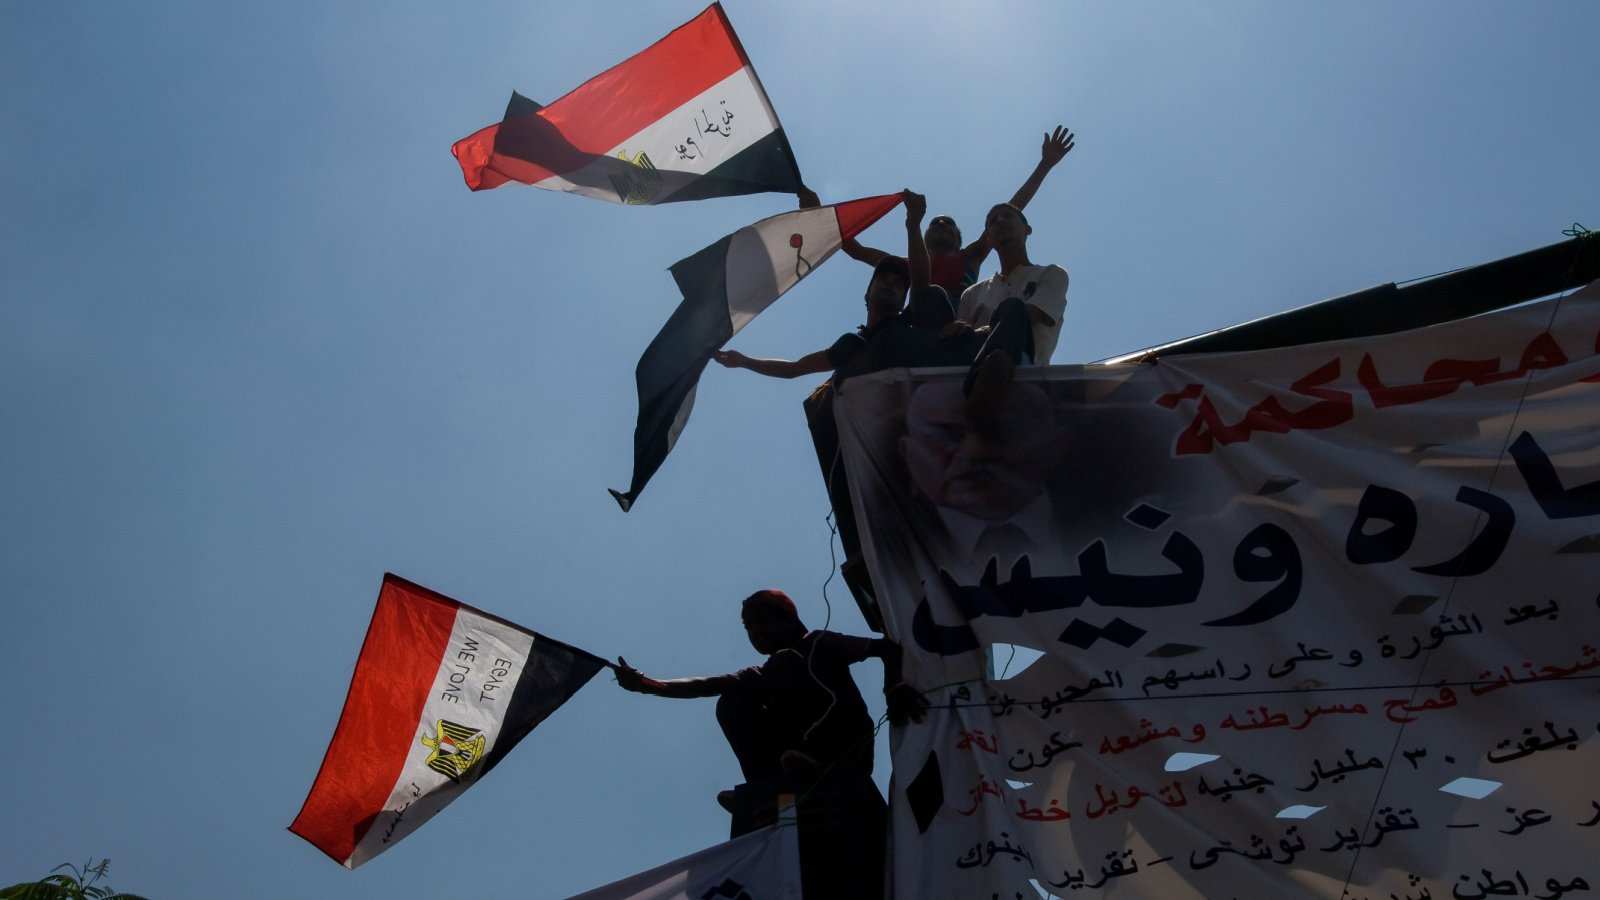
(725, 286)
(685, 119)
(441, 694)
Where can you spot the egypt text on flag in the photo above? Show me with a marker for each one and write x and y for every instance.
(761, 865)
(725, 286)
(685, 119)
(441, 693)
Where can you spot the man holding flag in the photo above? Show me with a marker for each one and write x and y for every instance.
(798, 725)
(894, 334)
(725, 286)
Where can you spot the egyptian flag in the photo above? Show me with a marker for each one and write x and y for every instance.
(441, 694)
(725, 286)
(685, 119)
(761, 865)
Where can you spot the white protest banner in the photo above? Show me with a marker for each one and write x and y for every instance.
(1317, 621)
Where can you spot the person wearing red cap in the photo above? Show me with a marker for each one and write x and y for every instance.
(796, 720)
(955, 267)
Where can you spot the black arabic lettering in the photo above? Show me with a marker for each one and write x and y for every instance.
(1313, 655)
(1338, 772)
(1483, 551)
(1367, 544)
(1529, 611)
(1533, 743)
(1594, 821)
(1545, 484)
(1489, 886)
(1526, 819)
(1267, 553)
(1108, 588)
(1390, 823)
(1052, 748)
(1172, 679)
(1226, 788)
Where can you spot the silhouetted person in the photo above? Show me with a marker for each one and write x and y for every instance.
(1020, 308)
(895, 333)
(954, 267)
(798, 725)
(797, 719)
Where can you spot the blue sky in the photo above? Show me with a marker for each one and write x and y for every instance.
(259, 345)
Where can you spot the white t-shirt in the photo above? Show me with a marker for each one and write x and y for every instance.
(1041, 287)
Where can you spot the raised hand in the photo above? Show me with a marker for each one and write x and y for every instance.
(1056, 146)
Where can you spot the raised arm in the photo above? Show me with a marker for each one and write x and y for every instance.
(810, 364)
(916, 246)
(1057, 145)
(856, 251)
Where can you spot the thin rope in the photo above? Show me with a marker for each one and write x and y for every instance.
(1209, 695)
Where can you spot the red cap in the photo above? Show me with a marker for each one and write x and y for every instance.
(775, 600)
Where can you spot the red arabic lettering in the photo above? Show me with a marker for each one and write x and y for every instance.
(1270, 415)
(1334, 407)
(1445, 376)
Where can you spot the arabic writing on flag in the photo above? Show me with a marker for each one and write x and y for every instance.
(725, 286)
(1317, 621)
(441, 693)
(685, 119)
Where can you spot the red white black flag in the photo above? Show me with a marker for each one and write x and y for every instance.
(685, 119)
(441, 694)
(725, 286)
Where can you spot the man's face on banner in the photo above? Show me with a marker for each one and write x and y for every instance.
(990, 471)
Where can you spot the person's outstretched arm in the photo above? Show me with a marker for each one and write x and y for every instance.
(1056, 146)
(856, 251)
(810, 364)
(634, 680)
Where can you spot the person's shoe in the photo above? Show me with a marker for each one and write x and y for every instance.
(987, 384)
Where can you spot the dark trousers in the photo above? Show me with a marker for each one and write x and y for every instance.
(929, 311)
(1011, 330)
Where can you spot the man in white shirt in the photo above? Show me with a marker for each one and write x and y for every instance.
(1020, 307)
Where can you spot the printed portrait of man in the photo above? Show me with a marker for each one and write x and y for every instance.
(987, 480)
